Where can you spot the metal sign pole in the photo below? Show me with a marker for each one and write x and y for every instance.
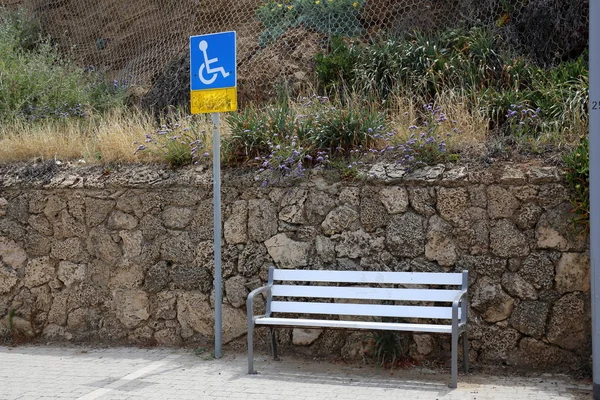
(594, 137)
(216, 120)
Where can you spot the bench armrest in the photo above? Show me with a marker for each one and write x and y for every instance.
(459, 301)
(250, 301)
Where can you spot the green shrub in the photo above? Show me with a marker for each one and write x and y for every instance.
(552, 101)
(331, 17)
(428, 64)
(37, 83)
(335, 70)
(27, 29)
(577, 175)
(562, 92)
(253, 128)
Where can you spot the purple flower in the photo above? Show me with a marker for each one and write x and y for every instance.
(140, 148)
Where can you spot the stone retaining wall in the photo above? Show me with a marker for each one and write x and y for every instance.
(126, 254)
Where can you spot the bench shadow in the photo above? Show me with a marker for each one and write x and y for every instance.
(327, 374)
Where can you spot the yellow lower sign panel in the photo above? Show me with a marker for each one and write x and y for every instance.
(213, 100)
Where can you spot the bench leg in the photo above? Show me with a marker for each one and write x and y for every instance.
(465, 350)
(251, 348)
(273, 344)
(454, 361)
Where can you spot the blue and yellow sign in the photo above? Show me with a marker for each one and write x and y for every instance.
(213, 73)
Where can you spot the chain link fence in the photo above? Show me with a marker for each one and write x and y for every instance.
(146, 41)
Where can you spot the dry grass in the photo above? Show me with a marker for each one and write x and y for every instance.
(112, 137)
(115, 136)
(472, 125)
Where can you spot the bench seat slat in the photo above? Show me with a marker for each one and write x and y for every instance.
(333, 292)
(409, 278)
(376, 310)
(355, 325)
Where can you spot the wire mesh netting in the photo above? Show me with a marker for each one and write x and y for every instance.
(146, 42)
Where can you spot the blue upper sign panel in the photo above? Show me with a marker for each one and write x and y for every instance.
(213, 61)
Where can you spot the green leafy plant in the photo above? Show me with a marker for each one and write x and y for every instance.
(389, 348)
(286, 137)
(277, 17)
(331, 17)
(335, 70)
(38, 84)
(577, 175)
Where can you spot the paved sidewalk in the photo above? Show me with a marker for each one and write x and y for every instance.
(41, 372)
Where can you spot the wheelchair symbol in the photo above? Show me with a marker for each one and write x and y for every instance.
(206, 66)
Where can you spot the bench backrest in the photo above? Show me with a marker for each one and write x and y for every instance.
(290, 287)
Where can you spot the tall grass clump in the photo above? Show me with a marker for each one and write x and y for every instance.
(291, 135)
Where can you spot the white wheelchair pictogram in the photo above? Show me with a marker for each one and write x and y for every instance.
(206, 65)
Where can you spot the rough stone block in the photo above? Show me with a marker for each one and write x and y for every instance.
(440, 246)
(373, 214)
(395, 199)
(422, 200)
(292, 206)
(405, 235)
(569, 324)
(262, 220)
(11, 253)
(235, 229)
(191, 277)
(341, 219)
(41, 224)
(178, 249)
(538, 269)
(529, 318)
(506, 240)
(355, 244)
(97, 210)
(501, 203)
(8, 280)
(518, 287)
(491, 301)
(119, 220)
(452, 203)
(236, 292)
(512, 176)
(39, 271)
(132, 307)
(537, 354)
(573, 273)
(350, 196)
(177, 217)
(288, 253)
(70, 249)
(305, 337)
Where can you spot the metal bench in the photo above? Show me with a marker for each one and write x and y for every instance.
(287, 290)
